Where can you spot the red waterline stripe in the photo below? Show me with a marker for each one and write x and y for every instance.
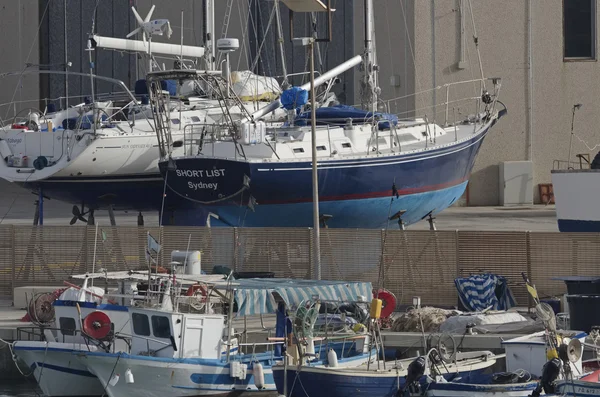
(386, 193)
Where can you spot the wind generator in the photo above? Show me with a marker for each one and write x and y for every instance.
(150, 28)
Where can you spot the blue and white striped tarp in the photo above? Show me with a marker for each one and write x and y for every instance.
(257, 296)
(481, 291)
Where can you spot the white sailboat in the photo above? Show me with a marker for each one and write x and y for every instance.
(105, 153)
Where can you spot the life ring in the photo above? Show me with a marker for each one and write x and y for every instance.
(191, 291)
(389, 302)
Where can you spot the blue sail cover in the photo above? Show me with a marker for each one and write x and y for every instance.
(256, 296)
(481, 291)
(340, 113)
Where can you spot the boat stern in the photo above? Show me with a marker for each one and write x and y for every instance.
(207, 180)
(576, 193)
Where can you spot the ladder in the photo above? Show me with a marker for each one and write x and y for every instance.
(228, 10)
(162, 122)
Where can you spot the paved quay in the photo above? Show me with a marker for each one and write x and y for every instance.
(17, 208)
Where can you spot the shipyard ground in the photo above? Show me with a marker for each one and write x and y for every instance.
(17, 208)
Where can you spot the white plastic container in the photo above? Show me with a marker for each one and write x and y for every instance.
(529, 352)
(190, 262)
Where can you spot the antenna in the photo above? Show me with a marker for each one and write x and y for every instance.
(149, 28)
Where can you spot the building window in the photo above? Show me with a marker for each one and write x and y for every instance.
(579, 29)
(161, 326)
(140, 324)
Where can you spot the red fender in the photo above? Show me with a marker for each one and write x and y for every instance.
(389, 302)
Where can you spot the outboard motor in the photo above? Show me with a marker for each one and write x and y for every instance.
(415, 371)
(550, 372)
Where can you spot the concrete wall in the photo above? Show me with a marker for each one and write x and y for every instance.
(114, 18)
(502, 33)
(19, 45)
(19, 21)
(504, 44)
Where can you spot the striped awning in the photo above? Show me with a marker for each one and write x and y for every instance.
(258, 296)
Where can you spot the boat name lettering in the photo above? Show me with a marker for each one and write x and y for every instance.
(202, 186)
(137, 146)
(216, 173)
(14, 141)
(585, 390)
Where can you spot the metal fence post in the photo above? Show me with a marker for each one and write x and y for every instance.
(235, 249)
(529, 267)
(13, 260)
(383, 262)
(310, 254)
(457, 253)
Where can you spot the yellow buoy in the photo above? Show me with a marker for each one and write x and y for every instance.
(376, 305)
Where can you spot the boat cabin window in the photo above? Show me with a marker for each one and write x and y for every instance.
(141, 326)
(161, 326)
(175, 121)
(346, 145)
(195, 119)
(67, 325)
(322, 147)
(298, 150)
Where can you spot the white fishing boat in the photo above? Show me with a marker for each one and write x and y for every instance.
(201, 354)
(52, 359)
(83, 314)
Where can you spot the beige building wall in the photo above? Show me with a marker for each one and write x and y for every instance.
(434, 33)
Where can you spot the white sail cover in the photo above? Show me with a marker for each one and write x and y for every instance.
(156, 48)
(252, 87)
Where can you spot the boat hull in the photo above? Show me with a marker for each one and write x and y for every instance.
(58, 371)
(155, 377)
(451, 389)
(354, 192)
(576, 195)
(579, 389)
(360, 381)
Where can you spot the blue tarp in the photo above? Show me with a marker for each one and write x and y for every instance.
(340, 113)
(293, 98)
(481, 291)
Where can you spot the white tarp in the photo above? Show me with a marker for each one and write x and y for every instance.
(458, 324)
(74, 294)
(252, 87)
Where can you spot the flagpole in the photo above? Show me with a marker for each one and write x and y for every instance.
(94, 258)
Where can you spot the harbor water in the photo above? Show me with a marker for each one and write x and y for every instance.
(19, 389)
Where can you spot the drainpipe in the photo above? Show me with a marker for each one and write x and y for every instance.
(530, 78)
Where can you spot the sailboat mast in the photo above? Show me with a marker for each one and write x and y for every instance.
(208, 11)
(370, 89)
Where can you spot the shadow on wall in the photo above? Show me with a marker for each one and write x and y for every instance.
(484, 187)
